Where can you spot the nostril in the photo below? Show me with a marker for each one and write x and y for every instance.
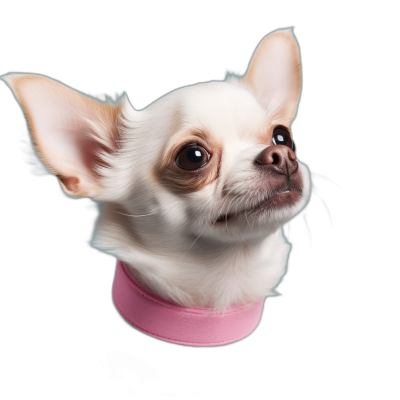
(275, 157)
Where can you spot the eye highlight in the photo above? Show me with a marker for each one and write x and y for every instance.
(281, 136)
(192, 157)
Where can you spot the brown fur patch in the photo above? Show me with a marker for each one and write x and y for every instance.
(183, 181)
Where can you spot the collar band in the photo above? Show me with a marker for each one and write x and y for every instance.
(177, 324)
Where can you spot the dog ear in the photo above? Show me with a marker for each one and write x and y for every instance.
(74, 134)
(274, 74)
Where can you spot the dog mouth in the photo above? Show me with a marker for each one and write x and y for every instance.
(286, 196)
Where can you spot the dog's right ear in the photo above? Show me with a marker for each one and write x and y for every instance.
(74, 134)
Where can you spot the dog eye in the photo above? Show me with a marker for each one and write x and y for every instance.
(192, 157)
(282, 136)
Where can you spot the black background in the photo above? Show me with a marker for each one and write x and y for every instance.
(58, 315)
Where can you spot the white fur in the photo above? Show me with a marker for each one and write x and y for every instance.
(169, 240)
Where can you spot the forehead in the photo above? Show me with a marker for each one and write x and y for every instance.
(224, 109)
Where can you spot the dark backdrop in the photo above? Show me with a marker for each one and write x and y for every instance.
(59, 319)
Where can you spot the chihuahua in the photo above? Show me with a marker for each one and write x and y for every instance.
(194, 189)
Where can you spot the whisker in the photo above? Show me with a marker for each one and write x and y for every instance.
(226, 219)
(235, 185)
(129, 215)
(245, 213)
(237, 188)
(325, 177)
(315, 191)
(307, 225)
(250, 194)
(205, 226)
(227, 196)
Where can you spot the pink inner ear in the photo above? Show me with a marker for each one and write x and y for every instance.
(70, 130)
(275, 74)
(72, 153)
(71, 184)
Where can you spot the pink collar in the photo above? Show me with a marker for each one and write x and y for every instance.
(174, 323)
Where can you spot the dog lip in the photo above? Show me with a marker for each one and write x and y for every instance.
(278, 200)
(268, 202)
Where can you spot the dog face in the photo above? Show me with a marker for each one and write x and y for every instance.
(215, 166)
(188, 180)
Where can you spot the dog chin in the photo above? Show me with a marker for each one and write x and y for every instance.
(265, 217)
(284, 199)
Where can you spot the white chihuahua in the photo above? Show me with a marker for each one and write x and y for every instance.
(192, 190)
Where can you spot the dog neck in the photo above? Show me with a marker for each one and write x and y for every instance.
(209, 274)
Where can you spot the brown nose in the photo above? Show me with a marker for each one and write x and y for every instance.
(280, 158)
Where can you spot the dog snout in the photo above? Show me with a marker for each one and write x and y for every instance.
(279, 158)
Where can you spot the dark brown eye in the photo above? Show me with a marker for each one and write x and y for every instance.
(282, 136)
(192, 157)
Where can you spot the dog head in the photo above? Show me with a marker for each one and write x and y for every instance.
(212, 163)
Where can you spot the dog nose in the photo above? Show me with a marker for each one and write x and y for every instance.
(280, 158)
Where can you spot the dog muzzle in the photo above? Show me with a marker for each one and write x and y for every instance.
(177, 324)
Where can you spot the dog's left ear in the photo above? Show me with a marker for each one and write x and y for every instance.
(74, 134)
(274, 74)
